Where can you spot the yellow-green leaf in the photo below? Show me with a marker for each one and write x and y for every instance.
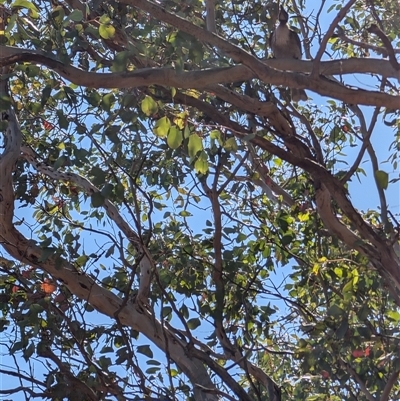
(195, 145)
(382, 178)
(231, 145)
(175, 137)
(11, 23)
(201, 164)
(304, 216)
(106, 31)
(186, 131)
(162, 126)
(216, 135)
(107, 101)
(149, 106)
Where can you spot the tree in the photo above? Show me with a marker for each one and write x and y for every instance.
(157, 183)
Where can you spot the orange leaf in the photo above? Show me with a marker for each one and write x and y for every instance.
(48, 287)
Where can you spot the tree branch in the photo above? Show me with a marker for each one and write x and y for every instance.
(204, 78)
(389, 385)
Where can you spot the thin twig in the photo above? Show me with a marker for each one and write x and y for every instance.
(392, 58)
(328, 35)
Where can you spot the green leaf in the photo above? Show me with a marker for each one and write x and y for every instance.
(145, 350)
(81, 261)
(382, 178)
(36, 309)
(97, 199)
(107, 190)
(120, 61)
(16, 347)
(195, 145)
(335, 311)
(28, 352)
(175, 137)
(193, 323)
(107, 101)
(106, 349)
(94, 98)
(106, 31)
(166, 311)
(76, 16)
(162, 127)
(149, 106)
(62, 120)
(5, 102)
(99, 176)
(61, 161)
(46, 253)
(153, 362)
(58, 15)
(11, 23)
(104, 362)
(151, 371)
(45, 95)
(342, 330)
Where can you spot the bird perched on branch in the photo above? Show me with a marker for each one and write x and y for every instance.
(285, 43)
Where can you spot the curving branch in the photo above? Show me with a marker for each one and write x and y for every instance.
(201, 79)
(389, 385)
(392, 58)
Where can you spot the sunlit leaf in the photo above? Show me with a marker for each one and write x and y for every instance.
(195, 145)
(149, 106)
(175, 137)
(106, 31)
(231, 145)
(382, 179)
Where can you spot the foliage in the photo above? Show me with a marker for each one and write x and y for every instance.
(174, 227)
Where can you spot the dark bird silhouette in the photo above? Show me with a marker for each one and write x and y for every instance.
(285, 43)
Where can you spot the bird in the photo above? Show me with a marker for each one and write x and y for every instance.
(285, 43)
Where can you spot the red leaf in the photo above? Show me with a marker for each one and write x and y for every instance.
(358, 353)
(47, 126)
